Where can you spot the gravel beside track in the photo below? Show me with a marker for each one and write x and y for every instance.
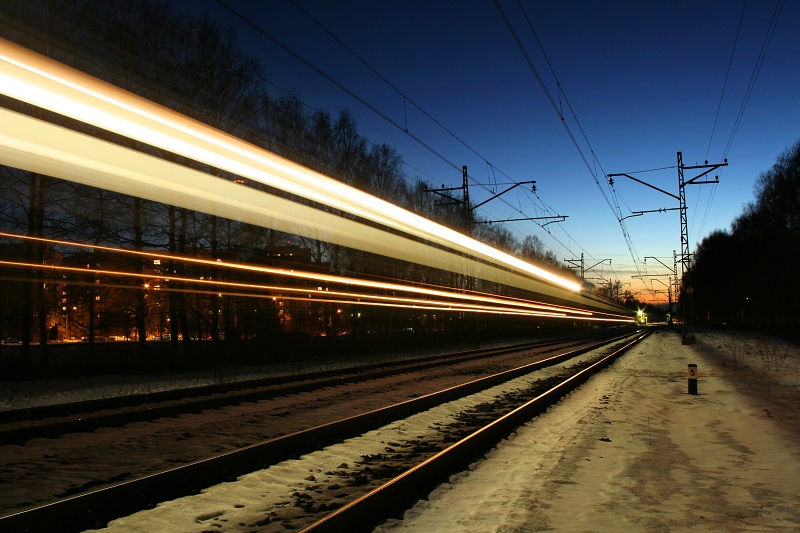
(83, 461)
(293, 494)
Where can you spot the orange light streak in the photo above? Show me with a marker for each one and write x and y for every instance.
(314, 276)
(352, 298)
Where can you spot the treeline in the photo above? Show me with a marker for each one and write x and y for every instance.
(747, 277)
(192, 65)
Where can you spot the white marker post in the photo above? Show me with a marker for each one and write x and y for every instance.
(692, 379)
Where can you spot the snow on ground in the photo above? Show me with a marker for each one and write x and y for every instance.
(263, 500)
(26, 394)
(631, 450)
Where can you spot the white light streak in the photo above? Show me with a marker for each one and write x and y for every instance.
(38, 146)
(40, 81)
(42, 147)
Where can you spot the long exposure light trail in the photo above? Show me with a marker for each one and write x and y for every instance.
(426, 306)
(313, 276)
(504, 301)
(319, 296)
(40, 81)
(38, 146)
(22, 149)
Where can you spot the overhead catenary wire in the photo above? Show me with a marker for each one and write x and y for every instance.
(418, 171)
(754, 76)
(406, 99)
(727, 75)
(332, 80)
(749, 90)
(404, 127)
(716, 115)
(372, 108)
(614, 209)
(558, 109)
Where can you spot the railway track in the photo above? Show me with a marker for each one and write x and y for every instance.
(95, 507)
(50, 421)
(393, 497)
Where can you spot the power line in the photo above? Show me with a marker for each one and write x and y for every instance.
(569, 105)
(716, 117)
(549, 97)
(748, 92)
(319, 71)
(407, 99)
(322, 73)
(558, 111)
(386, 81)
(756, 70)
(369, 142)
(727, 73)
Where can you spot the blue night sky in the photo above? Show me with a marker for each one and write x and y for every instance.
(644, 79)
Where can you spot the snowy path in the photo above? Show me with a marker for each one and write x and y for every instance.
(631, 450)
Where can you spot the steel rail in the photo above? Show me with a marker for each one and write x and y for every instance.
(87, 416)
(393, 498)
(95, 508)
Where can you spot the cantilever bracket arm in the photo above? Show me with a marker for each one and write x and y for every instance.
(693, 182)
(437, 191)
(502, 193)
(598, 263)
(660, 210)
(560, 218)
(441, 192)
(640, 213)
(709, 168)
(659, 260)
(645, 184)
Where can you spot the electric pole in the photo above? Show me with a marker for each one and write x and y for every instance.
(574, 264)
(686, 259)
(469, 208)
(688, 333)
(672, 279)
(579, 264)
